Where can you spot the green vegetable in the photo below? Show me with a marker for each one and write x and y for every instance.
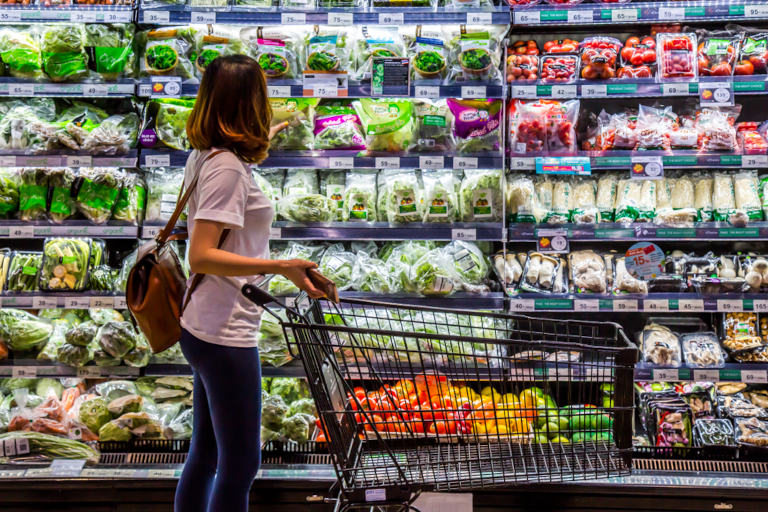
(131, 200)
(145, 386)
(469, 262)
(114, 431)
(116, 338)
(337, 264)
(404, 196)
(275, 49)
(181, 426)
(432, 127)
(23, 331)
(81, 335)
(111, 46)
(212, 46)
(288, 388)
(50, 350)
(433, 274)
(304, 406)
(94, 413)
(63, 50)
(101, 358)
(376, 42)
(125, 404)
(306, 208)
(20, 53)
(480, 197)
(97, 252)
(100, 316)
(273, 347)
(23, 271)
(163, 191)
(300, 114)
(476, 58)
(112, 389)
(273, 411)
(388, 123)
(360, 196)
(65, 264)
(12, 384)
(440, 199)
(62, 205)
(33, 192)
(337, 126)
(371, 275)
(166, 51)
(98, 193)
(10, 181)
(181, 383)
(49, 387)
(102, 279)
(139, 356)
(53, 447)
(332, 185)
(74, 355)
(297, 427)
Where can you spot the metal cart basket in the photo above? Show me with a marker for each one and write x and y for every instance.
(424, 399)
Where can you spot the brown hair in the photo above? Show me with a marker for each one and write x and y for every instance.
(232, 110)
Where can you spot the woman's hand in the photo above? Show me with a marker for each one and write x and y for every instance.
(296, 271)
(274, 130)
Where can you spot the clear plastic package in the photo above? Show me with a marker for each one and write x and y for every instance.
(598, 57)
(561, 68)
(676, 55)
(65, 264)
(660, 346)
(638, 58)
(716, 54)
(713, 432)
(702, 350)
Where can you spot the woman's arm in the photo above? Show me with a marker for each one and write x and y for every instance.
(205, 258)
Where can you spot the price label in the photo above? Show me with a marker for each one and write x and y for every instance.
(518, 305)
(77, 303)
(102, 302)
(279, 91)
(8, 161)
(79, 161)
(326, 90)
(67, 467)
(527, 17)
(387, 162)
(203, 17)
(625, 305)
(586, 16)
(552, 240)
(479, 18)
(275, 233)
(706, 375)
(150, 231)
(469, 91)
(341, 162)
(157, 160)
(760, 305)
(522, 164)
(674, 89)
(665, 375)
(594, 91)
(391, 18)
(341, 18)
(656, 305)
(586, 305)
(44, 302)
(293, 18)
(89, 372)
(716, 94)
(120, 303)
(426, 91)
(157, 16)
(11, 473)
(117, 17)
(524, 91)
(21, 232)
(23, 372)
(690, 305)
(623, 15)
(564, 91)
(95, 90)
(37, 472)
(161, 473)
(463, 234)
(431, 162)
(10, 15)
(754, 376)
(729, 305)
(646, 168)
(671, 13)
(83, 16)
(465, 162)
(21, 89)
(756, 11)
(754, 160)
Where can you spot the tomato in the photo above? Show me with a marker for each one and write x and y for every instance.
(627, 53)
(643, 72)
(649, 56)
(548, 45)
(359, 392)
(744, 67)
(443, 427)
(395, 425)
(426, 413)
(417, 426)
(369, 404)
(636, 59)
(352, 402)
(721, 69)
(406, 385)
(632, 41)
(377, 423)
(648, 42)
(385, 404)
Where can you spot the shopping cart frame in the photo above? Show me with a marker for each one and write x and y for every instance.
(305, 324)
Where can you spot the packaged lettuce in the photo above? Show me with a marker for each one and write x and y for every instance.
(60, 180)
(218, 43)
(480, 196)
(116, 135)
(372, 42)
(300, 182)
(332, 186)
(300, 114)
(65, 264)
(98, 190)
(371, 275)
(476, 53)
(360, 196)
(63, 50)
(440, 198)
(276, 49)
(166, 51)
(270, 181)
(10, 180)
(463, 5)
(337, 264)
(33, 193)
(434, 274)
(428, 53)
(432, 129)
(280, 285)
(163, 185)
(387, 122)
(404, 195)
(326, 51)
(165, 123)
(477, 125)
(306, 208)
(131, 200)
(298, 5)
(337, 126)
(110, 49)
(20, 52)
(468, 260)
(255, 4)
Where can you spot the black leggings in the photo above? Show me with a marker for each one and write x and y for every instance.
(225, 451)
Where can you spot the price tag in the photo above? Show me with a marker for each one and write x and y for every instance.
(479, 18)
(690, 305)
(586, 305)
(527, 17)
(675, 89)
(95, 90)
(564, 91)
(37, 472)
(760, 305)
(24, 372)
(716, 94)
(391, 18)
(102, 302)
(326, 90)
(518, 305)
(431, 162)
(79, 161)
(465, 162)
(646, 168)
(522, 164)
(157, 160)
(161, 473)
(89, 372)
(150, 231)
(117, 17)
(706, 375)
(469, 91)
(666, 375)
(463, 234)
(756, 11)
(754, 376)
(625, 305)
(341, 162)
(8, 161)
(524, 91)
(125, 473)
(203, 17)
(77, 303)
(729, 305)
(275, 233)
(552, 240)
(656, 305)
(387, 162)
(671, 13)
(580, 16)
(44, 302)
(11, 473)
(67, 467)
(341, 18)
(15, 89)
(10, 15)
(21, 232)
(157, 17)
(594, 91)
(623, 15)
(293, 18)
(754, 161)
(426, 91)
(83, 16)
(120, 303)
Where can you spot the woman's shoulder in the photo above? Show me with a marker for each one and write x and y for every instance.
(215, 161)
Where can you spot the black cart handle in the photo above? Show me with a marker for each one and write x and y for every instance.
(257, 295)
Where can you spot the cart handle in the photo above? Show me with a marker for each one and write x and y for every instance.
(258, 296)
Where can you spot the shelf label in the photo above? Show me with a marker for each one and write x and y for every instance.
(95, 90)
(756, 11)
(79, 161)
(23, 372)
(666, 375)
(387, 162)
(522, 164)
(465, 162)
(716, 94)
(594, 91)
(15, 89)
(77, 303)
(165, 86)
(586, 16)
(326, 85)
(23, 231)
(754, 160)
(524, 91)
(157, 160)
(275, 233)
(120, 303)
(279, 91)
(624, 305)
(203, 17)
(463, 234)
(579, 165)
(754, 376)
(157, 16)
(586, 305)
(730, 305)
(527, 17)
(7, 15)
(89, 372)
(102, 302)
(624, 15)
(161, 473)
(118, 16)
(656, 305)
(473, 91)
(760, 305)
(479, 18)
(426, 91)
(293, 18)
(564, 91)
(552, 240)
(391, 18)
(150, 231)
(431, 162)
(11, 473)
(706, 375)
(675, 89)
(44, 302)
(341, 162)
(341, 18)
(671, 13)
(646, 168)
(83, 16)
(67, 467)
(518, 305)
(690, 305)
(8, 161)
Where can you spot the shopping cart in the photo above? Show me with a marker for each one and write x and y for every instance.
(416, 399)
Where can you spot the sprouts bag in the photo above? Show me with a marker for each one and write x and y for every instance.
(404, 195)
(360, 196)
(440, 198)
(480, 196)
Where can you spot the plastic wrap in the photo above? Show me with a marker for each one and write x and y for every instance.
(753, 53)
(327, 51)
(300, 115)
(440, 198)
(360, 196)
(337, 126)
(713, 432)
(167, 51)
(372, 42)
(540, 273)
(432, 127)
(638, 58)
(476, 54)
(276, 49)
(387, 123)
(163, 185)
(587, 272)
(716, 54)
(63, 50)
(676, 55)
(476, 125)
(65, 264)
(561, 68)
(110, 49)
(98, 192)
(702, 350)
(480, 196)
(23, 271)
(660, 346)
(606, 196)
(598, 57)
(584, 208)
(20, 52)
(624, 282)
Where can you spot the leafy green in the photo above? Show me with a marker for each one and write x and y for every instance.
(131, 200)
(440, 199)
(337, 264)
(298, 427)
(306, 208)
(434, 274)
(388, 123)
(65, 264)
(53, 447)
(74, 355)
(289, 389)
(63, 50)
(166, 51)
(48, 387)
(337, 126)
(139, 356)
(10, 181)
(163, 190)
(98, 192)
(468, 261)
(111, 46)
(116, 338)
(82, 334)
(432, 127)
(94, 413)
(20, 53)
(405, 197)
(23, 331)
(360, 196)
(273, 411)
(300, 115)
(33, 193)
(372, 275)
(60, 180)
(171, 124)
(50, 350)
(480, 197)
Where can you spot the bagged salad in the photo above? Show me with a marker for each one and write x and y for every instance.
(428, 52)
(432, 127)
(65, 264)
(218, 43)
(476, 54)
(434, 274)
(63, 51)
(480, 196)
(98, 188)
(110, 49)
(300, 115)
(337, 126)
(372, 42)
(10, 180)
(337, 264)
(20, 52)
(33, 193)
(60, 180)
(440, 198)
(163, 185)
(276, 49)
(131, 200)
(404, 195)
(332, 186)
(370, 274)
(388, 123)
(477, 125)
(165, 123)
(360, 196)
(167, 51)
(326, 51)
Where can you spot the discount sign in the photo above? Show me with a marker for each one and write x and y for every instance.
(644, 260)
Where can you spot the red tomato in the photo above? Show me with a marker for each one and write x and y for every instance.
(426, 413)
(648, 42)
(632, 41)
(369, 404)
(443, 427)
(377, 422)
(649, 56)
(417, 426)
(744, 67)
(359, 392)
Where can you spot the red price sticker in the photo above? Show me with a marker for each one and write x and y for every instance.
(644, 259)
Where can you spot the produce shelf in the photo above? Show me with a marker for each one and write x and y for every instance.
(635, 88)
(651, 303)
(498, 15)
(642, 12)
(80, 14)
(15, 87)
(10, 158)
(609, 232)
(41, 229)
(685, 159)
(385, 231)
(32, 368)
(751, 373)
(460, 300)
(341, 159)
(71, 300)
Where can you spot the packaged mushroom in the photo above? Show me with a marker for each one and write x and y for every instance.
(702, 197)
(624, 282)
(675, 202)
(738, 406)
(562, 197)
(587, 272)
(702, 350)
(606, 196)
(741, 332)
(725, 279)
(584, 202)
(660, 346)
(752, 355)
(752, 431)
(755, 273)
(521, 199)
(508, 270)
(540, 273)
(748, 204)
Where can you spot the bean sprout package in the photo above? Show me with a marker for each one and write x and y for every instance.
(388, 123)
(300, 115)
(476, 125)
(428, 52)
(476, 54)
(337, 126)
(375, 42)
(276, 49)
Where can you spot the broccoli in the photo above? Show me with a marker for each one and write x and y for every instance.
(273, 411)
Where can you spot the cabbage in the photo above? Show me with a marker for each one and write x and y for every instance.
(94, 413)
(23, 331)
(306, 208)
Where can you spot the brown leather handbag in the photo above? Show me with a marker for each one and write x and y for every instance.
(156, 284)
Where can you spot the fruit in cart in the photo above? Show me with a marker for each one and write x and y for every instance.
(560, 439)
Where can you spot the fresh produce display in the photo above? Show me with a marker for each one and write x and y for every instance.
(287, 411)
(598, 57)
(23, 271)
(676, 55)
(716, 54)
(638, 58)
(65, 264)
(558, 68)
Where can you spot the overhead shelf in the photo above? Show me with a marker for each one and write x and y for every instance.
(610, 160)
(751, 373)
(81, 14)
(15, 87)
(385, 231)
(651, 303)
(706, 231)
(70, 300)
(642, 12)
(9, 158)
(41, 229)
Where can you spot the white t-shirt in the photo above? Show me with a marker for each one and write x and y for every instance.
(226, 193)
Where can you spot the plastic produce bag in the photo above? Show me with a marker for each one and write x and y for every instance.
(405, 197)
(428, 52)
(23, 331)
(370, 275)
(74, 355)
(81, 335)
(540, 273)
(469, 262)
(23, 272)
(139, 356)
(63, 51)
(387, 123)
(20, 52)
(702, 349)
(116, 135)
(434, 274)
(276, 49)
(300, 182)
(372, 42)
(440, 199)
(306, 208)
(165, 124)
(131, 200)
(480, 196)
(588, 272)
(432, 127)
(476, 54)
(745, 189)
(60, 180)
(660, 346)
(300, 115)
(116, 338)
(218, 42)
(521, 199)
(477, 125)
(10, 181)
(332, 186)
(584, 210)
(65, 264)
(166, 51)
(163, 185)
(33, 193)
(326, 51)
(110, 49)
(360, 196)
(337, 264)
(98, 192)
(337, 126)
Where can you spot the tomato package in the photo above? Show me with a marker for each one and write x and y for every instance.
(521, 47)
(561, 126)
(750, 139)
(675, 55)
(716, 130)
(617, 131)
(638, 58)
(598, 57)
(561, 46)
(543, 125)
(559, 68)
(716, 54)
(654, 126)
(753, 53)
(564, 2)
(522, 68)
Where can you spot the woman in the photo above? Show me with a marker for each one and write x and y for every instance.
(229, 128)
